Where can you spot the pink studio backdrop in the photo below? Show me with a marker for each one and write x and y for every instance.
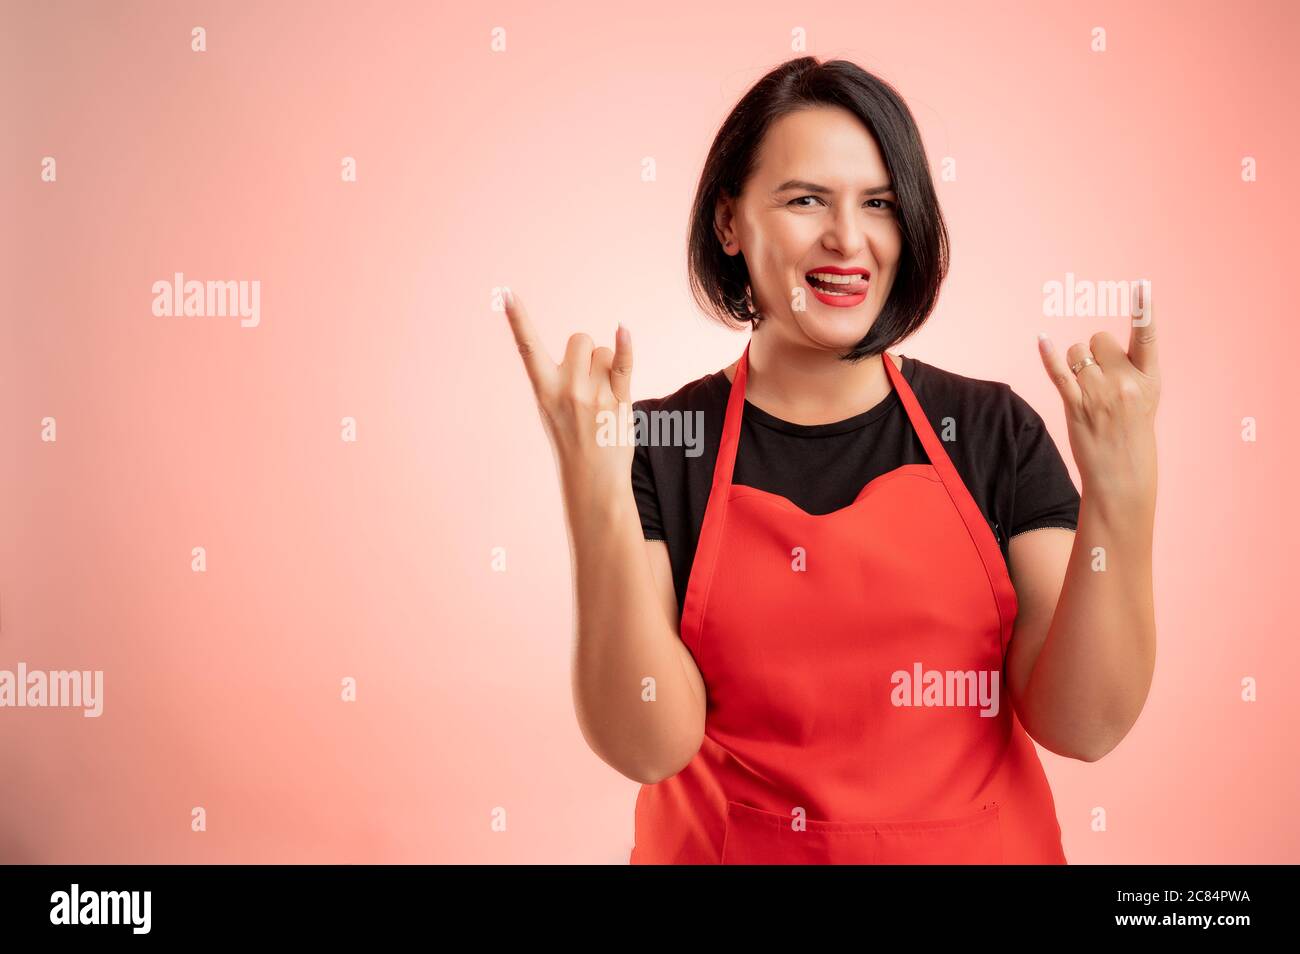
(477, 168)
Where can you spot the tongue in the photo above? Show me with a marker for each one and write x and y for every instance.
(857, 286)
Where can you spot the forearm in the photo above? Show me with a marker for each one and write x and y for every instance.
(633, 694)
(1094, 670)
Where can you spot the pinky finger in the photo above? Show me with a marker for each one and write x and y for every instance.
(1066, 383)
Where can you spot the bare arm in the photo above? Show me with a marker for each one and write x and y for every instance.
(1084, 671)
(637, 693)
(1083, 654)
(1037, 562)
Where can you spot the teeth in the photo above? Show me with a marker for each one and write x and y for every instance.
(837, 279)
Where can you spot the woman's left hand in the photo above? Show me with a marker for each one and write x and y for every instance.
(1110, 408)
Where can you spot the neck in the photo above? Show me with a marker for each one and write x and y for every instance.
(806, 385)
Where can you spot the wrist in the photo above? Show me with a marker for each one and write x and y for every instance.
(601, 494)
(1120, 504)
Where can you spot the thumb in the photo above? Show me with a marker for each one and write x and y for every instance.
(620, 371)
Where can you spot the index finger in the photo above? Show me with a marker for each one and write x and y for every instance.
(537, 362)
(1142, 337)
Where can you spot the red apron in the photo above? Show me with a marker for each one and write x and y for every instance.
(855, 668)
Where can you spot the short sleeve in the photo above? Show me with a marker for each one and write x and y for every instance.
(647, 497)
(1045, 495)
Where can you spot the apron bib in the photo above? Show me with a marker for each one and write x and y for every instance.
(858, 711)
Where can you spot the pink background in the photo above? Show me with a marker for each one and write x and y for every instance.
(478, 169)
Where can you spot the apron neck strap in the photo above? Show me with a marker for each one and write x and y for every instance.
(726, 463)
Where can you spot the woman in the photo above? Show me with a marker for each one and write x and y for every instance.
(831, 636)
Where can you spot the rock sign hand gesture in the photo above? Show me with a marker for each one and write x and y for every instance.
(1110, 404)
(575, 396)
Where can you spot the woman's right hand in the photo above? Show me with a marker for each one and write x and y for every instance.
(579, 400)
(625, 617)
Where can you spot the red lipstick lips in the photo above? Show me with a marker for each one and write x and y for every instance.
(839, 294)
(837, 270)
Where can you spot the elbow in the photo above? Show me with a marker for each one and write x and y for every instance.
(1107, 736)
(1090, 748)
(1076, 752)
(656, 770)
(1089, 743)
(640, 765)
(1098, 750)
(1098, 746)
(646, 747)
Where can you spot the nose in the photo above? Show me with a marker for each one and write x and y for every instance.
(845, 234)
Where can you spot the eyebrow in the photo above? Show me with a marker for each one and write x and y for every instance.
(803, 186)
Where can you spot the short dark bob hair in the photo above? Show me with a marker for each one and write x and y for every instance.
(720, 282)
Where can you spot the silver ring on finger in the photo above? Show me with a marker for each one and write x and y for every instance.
(1080, 365)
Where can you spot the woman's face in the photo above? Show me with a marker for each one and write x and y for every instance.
(815, 201)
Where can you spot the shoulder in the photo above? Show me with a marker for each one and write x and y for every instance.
(946, 392)
(674, 430)
(936, 377)
(991, 412)
(702, 394)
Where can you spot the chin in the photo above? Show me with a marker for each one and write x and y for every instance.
(833, 332)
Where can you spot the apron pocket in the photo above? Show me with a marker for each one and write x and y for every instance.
(758, 837)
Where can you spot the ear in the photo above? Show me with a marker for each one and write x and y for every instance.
(724, 217)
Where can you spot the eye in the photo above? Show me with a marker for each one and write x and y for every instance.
(887, 203)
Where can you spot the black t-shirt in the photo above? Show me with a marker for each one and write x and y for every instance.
(998, 443)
